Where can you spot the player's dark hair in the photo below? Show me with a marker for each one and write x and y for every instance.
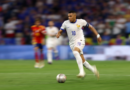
(37, 20)
(71, 11)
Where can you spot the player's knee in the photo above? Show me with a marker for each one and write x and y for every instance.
(75, 53)
(36, 48)
(49, 48)
(77, 49)
(49, 51)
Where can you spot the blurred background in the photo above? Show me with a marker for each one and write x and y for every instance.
(111, 18)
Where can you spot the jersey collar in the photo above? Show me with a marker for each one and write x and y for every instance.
(74, 22)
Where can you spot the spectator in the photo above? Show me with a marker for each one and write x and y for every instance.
(1, 22)
(108, 16)
(100, 27)
(10, 29)
(111, 20)
(127, 15)
(119, 40)
(119, 25)
(27, 35)
(39, 3)
(5, 5)
(106, 37)
(1, 37)
(127, 25)
(127, 41)
(108, 29)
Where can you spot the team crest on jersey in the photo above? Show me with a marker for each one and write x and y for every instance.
(78, 26)
(52, 31)
(37, 30)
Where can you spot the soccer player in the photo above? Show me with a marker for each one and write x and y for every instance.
(38, 32)
(52, 42)
(74, 30)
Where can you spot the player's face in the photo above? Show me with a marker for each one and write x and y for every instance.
(37, 23)
(51, 23)
(72, 17)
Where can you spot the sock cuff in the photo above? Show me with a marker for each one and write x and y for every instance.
(75, 53)
(84, 62)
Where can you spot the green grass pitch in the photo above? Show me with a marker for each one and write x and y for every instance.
(21, 75)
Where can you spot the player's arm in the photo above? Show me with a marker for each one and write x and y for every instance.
(99, 39)
(42, 29)
(59, 33)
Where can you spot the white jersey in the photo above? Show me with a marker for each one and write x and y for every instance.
(51, 41)
(74, 30)
(51, 31)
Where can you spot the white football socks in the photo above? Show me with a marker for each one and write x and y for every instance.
(56, 53)
(79, 61)
(88, 66)
(49, 56)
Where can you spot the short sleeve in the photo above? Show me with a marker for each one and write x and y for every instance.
(63, 26)
(43, 29)
(84, 22)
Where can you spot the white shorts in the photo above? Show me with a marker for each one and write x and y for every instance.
(79, 43)
(51, 42)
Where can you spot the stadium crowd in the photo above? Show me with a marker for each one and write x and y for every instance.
(111, 18)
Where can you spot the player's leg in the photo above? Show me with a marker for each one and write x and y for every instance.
(55, 44)
(76, 53)
(36, 57)
(88, 66)
(41, 56)
(49, 55)
(55, 52)
(49, 51)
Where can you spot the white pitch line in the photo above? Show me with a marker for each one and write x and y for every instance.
(104, 74)
(68, 74)
(25, 73)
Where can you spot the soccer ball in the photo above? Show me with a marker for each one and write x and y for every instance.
(61, 78)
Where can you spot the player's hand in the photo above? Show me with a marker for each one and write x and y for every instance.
(58, 35)
(99, 40)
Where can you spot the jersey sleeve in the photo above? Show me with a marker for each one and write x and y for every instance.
(63, 26)
(85, 23)
(43, 29)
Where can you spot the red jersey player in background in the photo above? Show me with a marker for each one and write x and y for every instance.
(38, 33)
